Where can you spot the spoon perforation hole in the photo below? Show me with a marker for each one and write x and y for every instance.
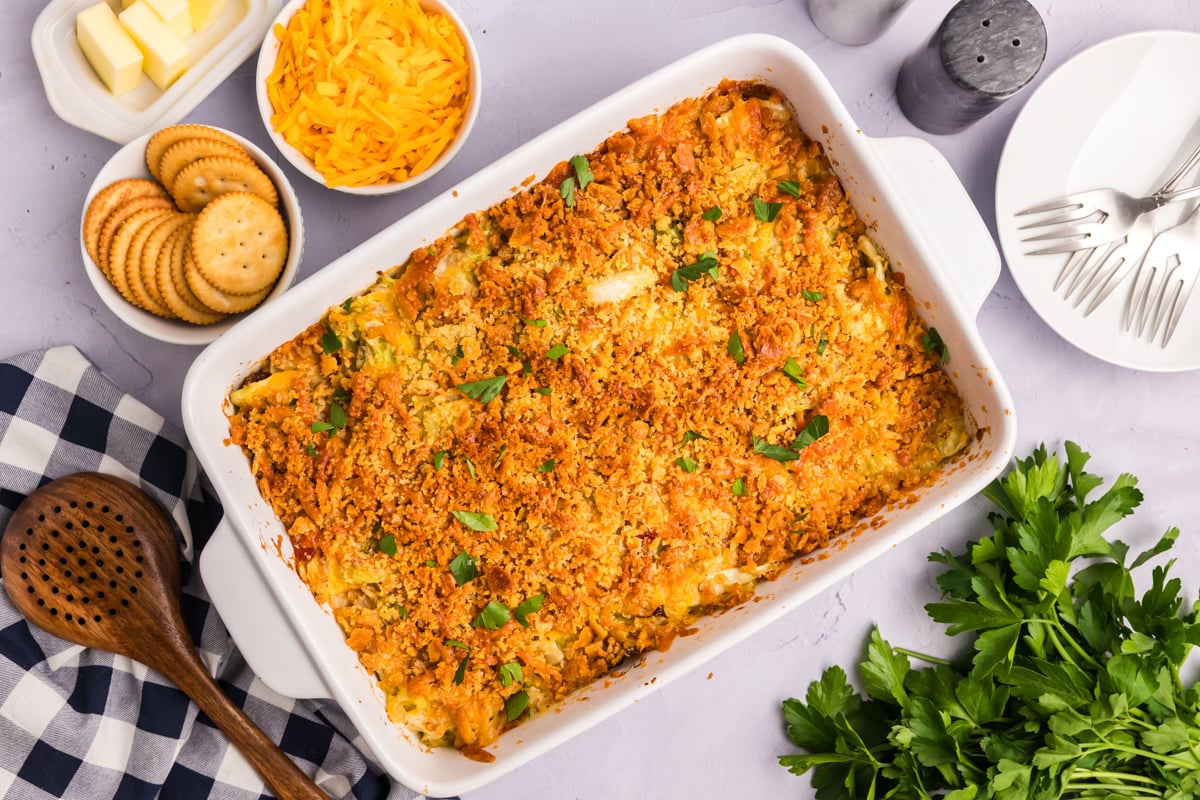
(24, 576)
(96, 618)
(82, 562)
(54, 612)
(29, 589)
(62, 560)
(54, 533)
(58, 509)
(137, 542)
(103, 509)
(69, 525)
(68, 616)
(45, 546)
(41, 562)
(45, 578)
(99, 529)
(119, 517)
(70, 548)
(41, 602)
(41, 518)
(53, 590)
(120, 570)
(140, 559)
(100, 595)
(21, 546)
(95, 550)
(93, 576)
(112, 584)
(112, 539)
(89, 504)
(22, 559)
(137, 574)
(79, 580)
(124, 601)
(129, 529)
(120, 553)
(70, 598)
(112, 612)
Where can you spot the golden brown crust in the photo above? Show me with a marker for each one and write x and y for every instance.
(605, 501)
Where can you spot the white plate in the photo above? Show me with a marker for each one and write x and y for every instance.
(1124, 113)
(130, 162)
(77, 95)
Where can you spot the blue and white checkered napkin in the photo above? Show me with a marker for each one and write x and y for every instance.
(85, 724)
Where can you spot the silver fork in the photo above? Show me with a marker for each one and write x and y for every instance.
(1095, 217)
(1163, 290)
(1106, 272)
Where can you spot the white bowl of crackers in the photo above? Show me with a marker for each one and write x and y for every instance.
(387, 99)
(186, 229)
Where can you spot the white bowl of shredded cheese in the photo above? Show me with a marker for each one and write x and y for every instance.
(375, 111)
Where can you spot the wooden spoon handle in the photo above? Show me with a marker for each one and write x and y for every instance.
(286, 779)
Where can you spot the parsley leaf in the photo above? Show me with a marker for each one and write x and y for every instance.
(546, 466)
(738, 487)
(511, 673)
(931, 342)
(320, 426)
(461, 673)
(330, 343)
(583, 172)
(475, 520)
(485, 390)
(493, 616)
(812, 296)
(457, 643)
(515, 705)
(734, 348)
(458, 354)
(537, 323)
(527, 607)
(789, 187)
(557, 351)
(766, 212)
(439, 460)
(387, 544)
(706, 264)
(686, 464)
(544, 391)
(794, 373)
(712, 215)
(462, 567)
(690, 436)
(309, 449)
(566, 190)
(337, 416)
(773, 451)
(817, 427)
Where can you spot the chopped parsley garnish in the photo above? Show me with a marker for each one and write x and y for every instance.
(500, 456)
(308, 448)
(457, 643)
(511, 673)
(686, 464)
(341, 396)
(515, 705)
(812, 296)
(734, 347)
(773, 451)
(526, 608)
(932, 342)
(712, 215)
(546, 466)
(583, 172)
(706, 264)
(470, 467)
(526, 369)
(457, 355)
(346, 303)
(337, 415)
(387, 545)
(739, 487)
(557, 352)
(462, 567)
(817, 427)
(485, 390)
(431, 562)
(401, 611)
(582, 177)
(475, 520)
(321, 426)
(493, 616)
(789, 187)
(330, 342)
(544, 391)
(794, 373)
(461, 672)
(537, 323)
(766, 211)
(439, 460)
(690, 436)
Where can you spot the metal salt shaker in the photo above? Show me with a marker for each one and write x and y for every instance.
(854, 21)
(984, 52)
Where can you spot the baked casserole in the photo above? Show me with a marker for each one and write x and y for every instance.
(595, 412)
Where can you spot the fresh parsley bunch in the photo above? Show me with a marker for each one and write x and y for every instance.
(1072, 688)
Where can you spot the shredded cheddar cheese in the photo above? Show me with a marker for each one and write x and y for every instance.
(370, 91)
(526, 452)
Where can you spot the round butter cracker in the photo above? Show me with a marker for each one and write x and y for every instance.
(202, 181)
(118, 253)
(160, 142)
(240, 244)
(213, 297)
(184, 152)
(108, 200)
(117, 217)
(172, 284)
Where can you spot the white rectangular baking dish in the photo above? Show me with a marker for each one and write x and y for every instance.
(922, 218)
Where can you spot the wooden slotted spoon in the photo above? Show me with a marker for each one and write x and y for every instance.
(93, 560)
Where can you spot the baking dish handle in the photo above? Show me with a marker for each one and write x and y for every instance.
(254, 619)
(945, 215)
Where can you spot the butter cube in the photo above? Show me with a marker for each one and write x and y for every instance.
(108, 48)
(175, 13)
(204, 12)
(165, 55)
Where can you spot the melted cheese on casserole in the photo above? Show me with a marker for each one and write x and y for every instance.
(584, 461)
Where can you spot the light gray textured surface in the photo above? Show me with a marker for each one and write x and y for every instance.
(715, 733)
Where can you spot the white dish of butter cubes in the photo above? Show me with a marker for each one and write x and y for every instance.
(120, 68)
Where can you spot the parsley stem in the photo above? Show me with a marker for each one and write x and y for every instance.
(923, 657)
(1174, 761)
(1120, 776)
(1125, 789)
